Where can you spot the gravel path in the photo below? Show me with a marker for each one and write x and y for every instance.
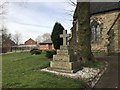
(110, 77)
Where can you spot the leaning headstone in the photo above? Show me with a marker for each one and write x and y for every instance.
(65, 60)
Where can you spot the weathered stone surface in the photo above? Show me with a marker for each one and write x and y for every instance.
(107, 19)
(65, 60)
(61, 58)
(108, 23)
(63, 48)
(62, 52)
(114, 35)
(65, 65)
(64, 36)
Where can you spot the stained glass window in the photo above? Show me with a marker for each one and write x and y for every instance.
(95, 30)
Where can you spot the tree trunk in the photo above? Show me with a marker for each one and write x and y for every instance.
(84, 32)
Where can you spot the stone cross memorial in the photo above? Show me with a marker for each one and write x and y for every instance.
(65, 60)
(64, 36)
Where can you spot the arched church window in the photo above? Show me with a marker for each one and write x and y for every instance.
(96, 30)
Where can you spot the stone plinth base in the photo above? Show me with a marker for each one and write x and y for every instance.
(65, 66)
(63, 70)
(65, 61)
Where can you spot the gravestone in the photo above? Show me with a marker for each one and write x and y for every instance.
(65, 60)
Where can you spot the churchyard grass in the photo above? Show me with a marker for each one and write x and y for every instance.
(22, 70)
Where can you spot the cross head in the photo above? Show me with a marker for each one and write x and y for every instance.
(64, 36)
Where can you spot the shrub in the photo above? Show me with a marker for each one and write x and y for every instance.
(35, 51)
(49, 54)
(55, 36)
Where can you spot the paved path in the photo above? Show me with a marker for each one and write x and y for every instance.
(110, 77)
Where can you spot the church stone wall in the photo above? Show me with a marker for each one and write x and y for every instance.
(107, 19)
(114, 34)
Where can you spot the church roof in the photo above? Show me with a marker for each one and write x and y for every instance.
(100, 7)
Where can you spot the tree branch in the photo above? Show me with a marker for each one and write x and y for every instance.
(2, 7)
(72, 3)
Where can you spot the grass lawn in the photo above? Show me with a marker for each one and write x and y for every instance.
(22, 70)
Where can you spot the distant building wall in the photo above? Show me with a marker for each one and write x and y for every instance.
(46, 46)
(23, 47)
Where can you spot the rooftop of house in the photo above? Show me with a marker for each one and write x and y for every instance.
(47, 41)
(100, 7)
(30, 40)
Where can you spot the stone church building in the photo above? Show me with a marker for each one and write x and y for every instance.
(105, 25)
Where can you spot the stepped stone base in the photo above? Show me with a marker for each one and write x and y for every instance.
(65, 61)
(65, 66)
(64, 70)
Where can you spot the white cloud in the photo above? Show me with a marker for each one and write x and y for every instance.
(35, 19)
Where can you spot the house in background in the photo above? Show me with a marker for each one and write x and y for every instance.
(46, 45)
(7, 45)
(27, 46)
(6, 42)
(30, 42)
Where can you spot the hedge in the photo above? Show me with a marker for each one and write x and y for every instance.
(50, 53)
(35, 51)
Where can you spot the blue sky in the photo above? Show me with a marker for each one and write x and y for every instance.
(36, 18)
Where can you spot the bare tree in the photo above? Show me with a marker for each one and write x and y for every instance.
(41, 38)
(46, 36)
(72, 3)
(70, 11)
(38, 39)
(17, 38)
(3, 4)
